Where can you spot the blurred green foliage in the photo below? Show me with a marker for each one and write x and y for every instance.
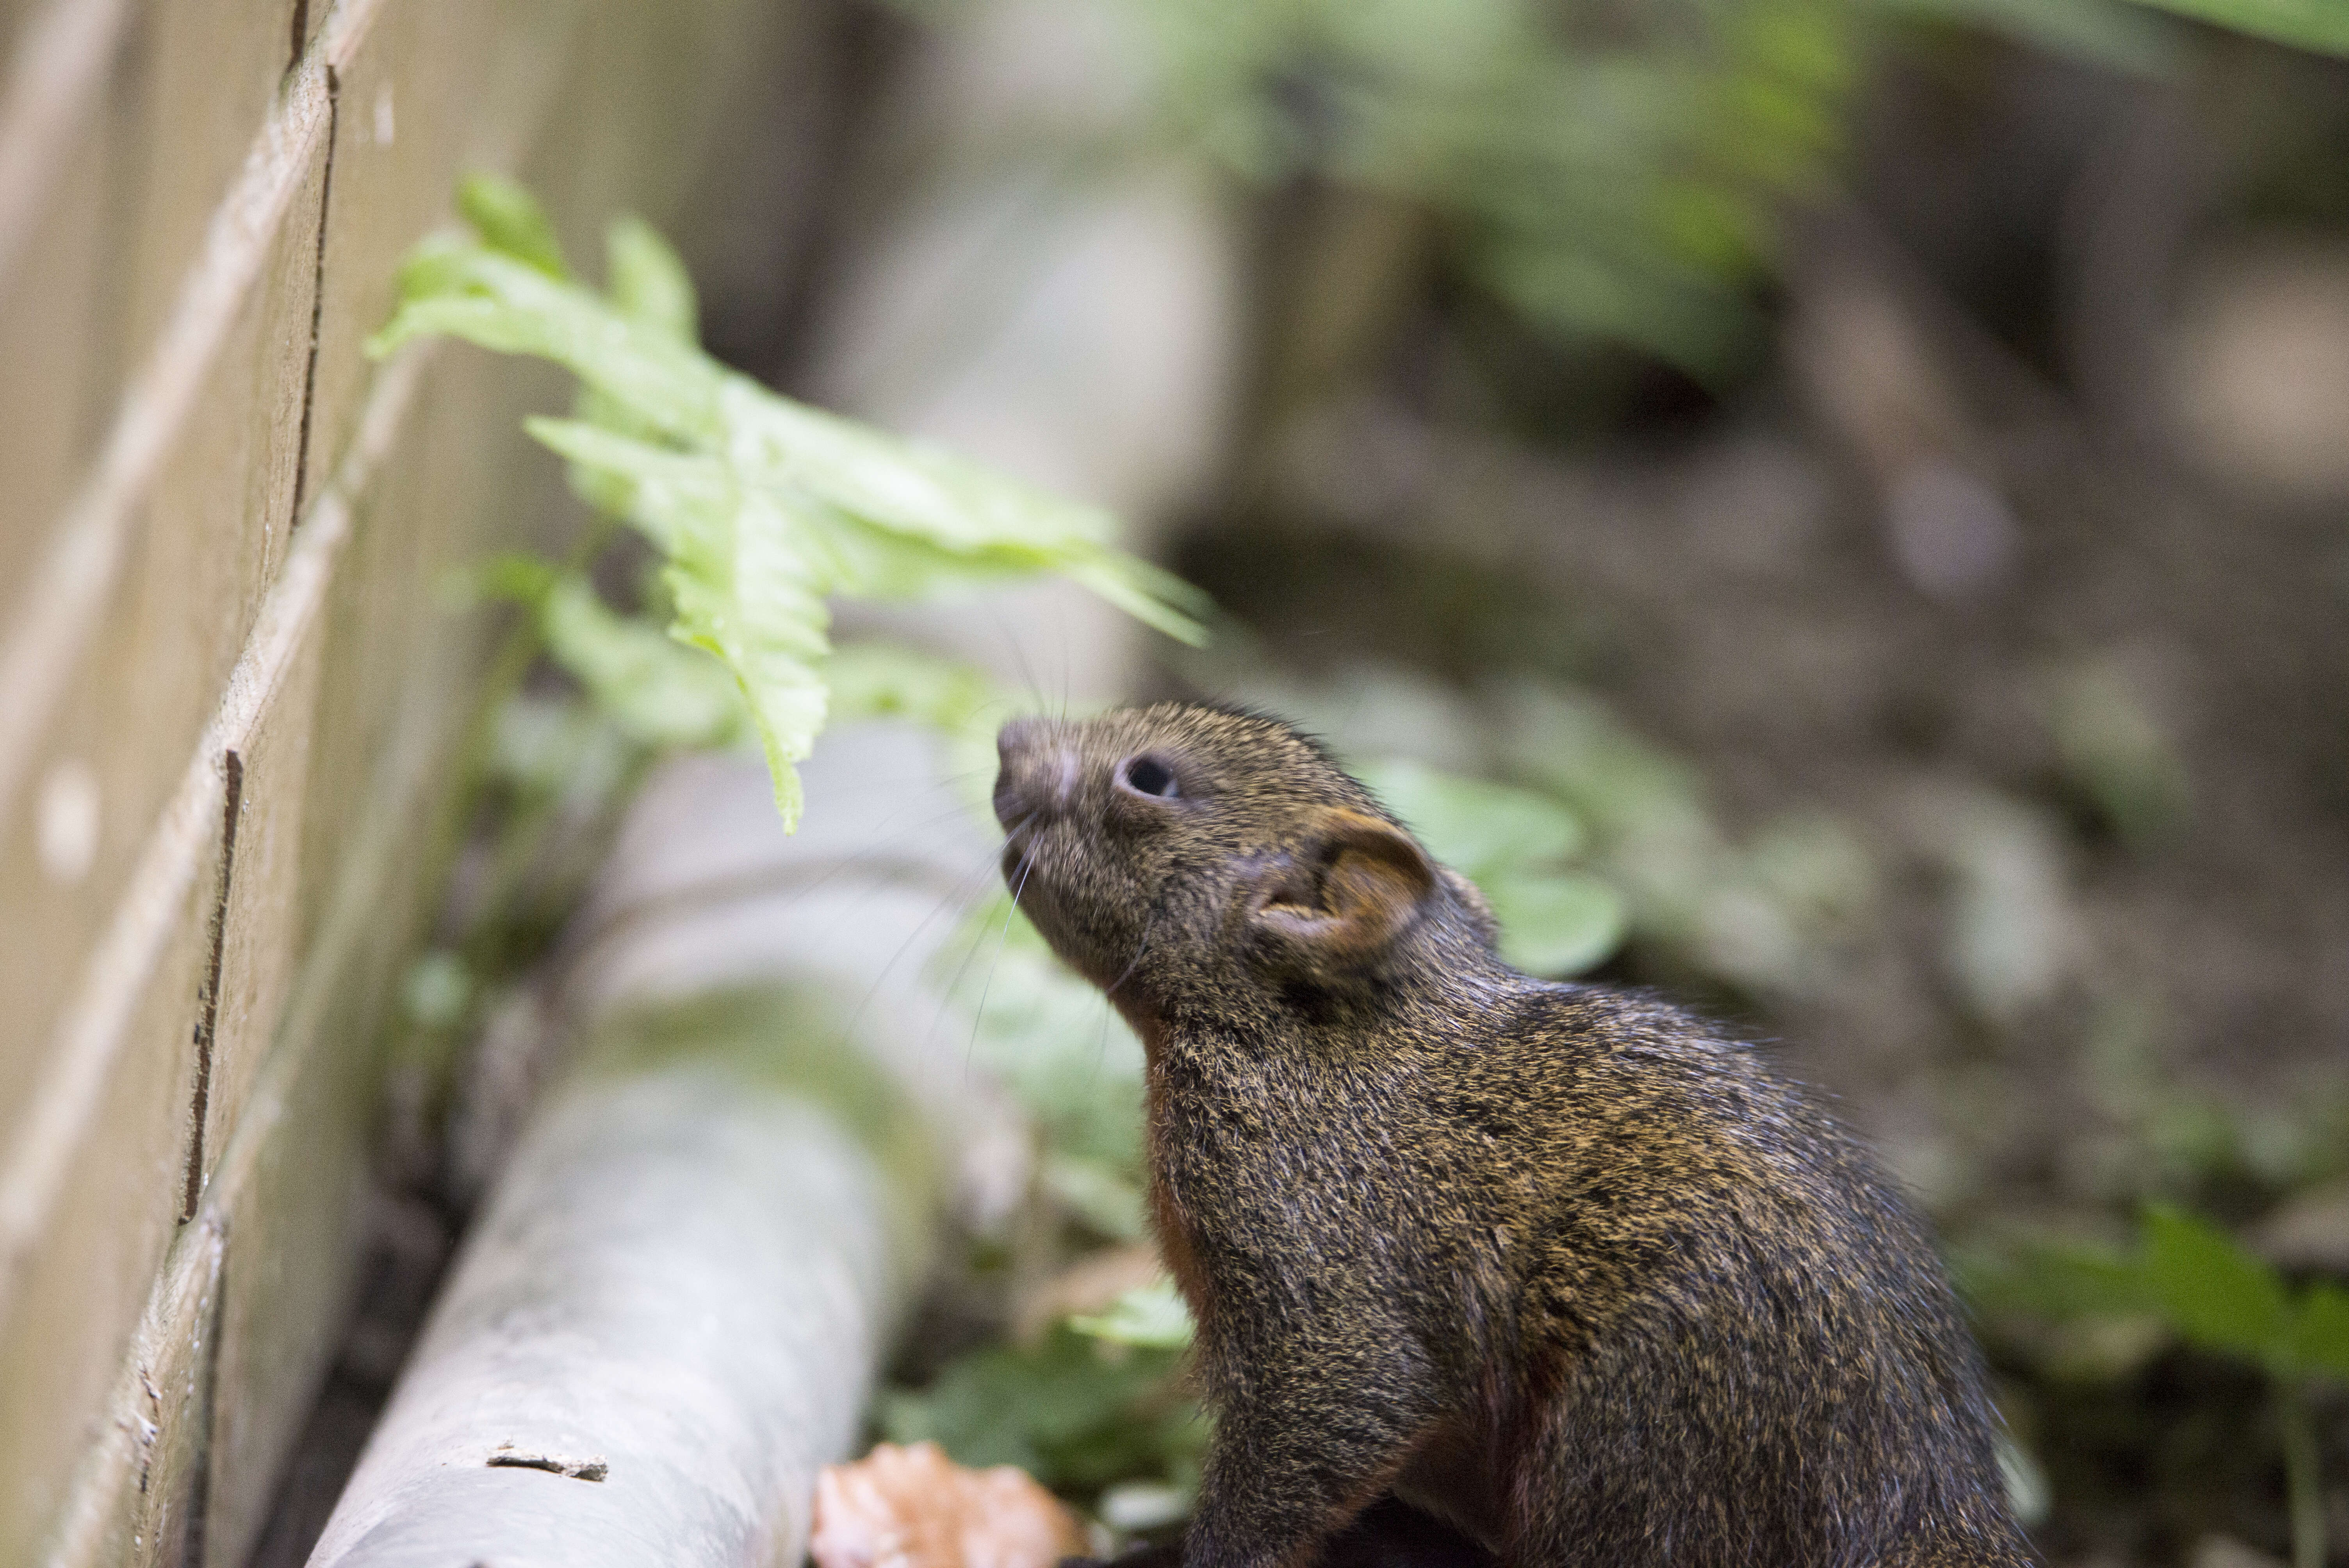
(1050, 1039)
(763, 509)
(1584, 835)
(1512, 844)
(2192, 1278)
(2120, 34)
(1153, 1316)
(2116, 754)
(1608, 173)
(1098, 1401)
(1074, 1411)
(2321, 25)
(658, 692)
(2188, 1278)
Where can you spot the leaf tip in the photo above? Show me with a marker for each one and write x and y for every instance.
(509, 219)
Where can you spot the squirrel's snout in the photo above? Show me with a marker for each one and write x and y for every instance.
(1036, 774)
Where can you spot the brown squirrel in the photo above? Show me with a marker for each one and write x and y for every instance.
(1559, 1264)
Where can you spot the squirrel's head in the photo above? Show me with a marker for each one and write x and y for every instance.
(1182, 848)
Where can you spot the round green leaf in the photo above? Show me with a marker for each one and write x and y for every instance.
(1556, 926)
(2321, 1334)
(1478, 828)
(1152, 1315)
(2212, 1291)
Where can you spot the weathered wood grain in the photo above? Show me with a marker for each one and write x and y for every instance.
(230, 689)
(89, 1203)
(68, 115)
(137, 1495)
(253, 942)
(208, 71)
(198, 552)
(437, 90)
(292, 1176)
(90, 1189)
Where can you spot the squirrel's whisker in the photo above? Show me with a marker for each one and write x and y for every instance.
(1139, 949)
(979, 1014)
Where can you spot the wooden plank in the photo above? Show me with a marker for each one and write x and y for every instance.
(256, 940)
(57, 608)
(91, 1187)
(210, 70)
(397, 694)
(82, 1235)
(193, 553)
(65, 115)
(78, 1216)
(436, 89)
(294, 1184)
(398, 690)
(57, 76)
(53, 341)
(137, 1495)
(341, 713)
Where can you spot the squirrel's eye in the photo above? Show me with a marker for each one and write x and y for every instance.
(1149, 776)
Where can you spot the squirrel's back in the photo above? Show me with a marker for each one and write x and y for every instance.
(1741, 1343)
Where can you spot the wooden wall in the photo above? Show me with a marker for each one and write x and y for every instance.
(229, 692)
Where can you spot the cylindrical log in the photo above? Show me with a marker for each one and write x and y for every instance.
(671, 1311)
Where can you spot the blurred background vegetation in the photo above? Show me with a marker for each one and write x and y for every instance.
(1830, 509)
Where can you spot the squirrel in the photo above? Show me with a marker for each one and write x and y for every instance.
(1559, 1265)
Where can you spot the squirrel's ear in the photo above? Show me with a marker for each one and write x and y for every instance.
(1357, 885)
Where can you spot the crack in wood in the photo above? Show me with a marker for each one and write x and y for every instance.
(208, 1000)
(507, 1457)
(318, 282)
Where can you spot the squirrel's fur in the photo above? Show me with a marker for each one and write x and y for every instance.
(1559, 1264)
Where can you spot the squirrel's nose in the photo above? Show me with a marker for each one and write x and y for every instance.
(1036, 773)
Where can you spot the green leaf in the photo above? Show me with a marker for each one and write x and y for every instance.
(1612, 182)
(1075, 1413)
(648, 285)
(883, 680)
(658, 691)
(655, 691)
(462, 289)
(2321, 25)
(764, 508)
(2320, 1332)
(1476, 828)
(1152, 1315)
(2111, 33)
(2062, 1283)
(1556, 926)
(2213, 1292)
(649, 282)
(2114, 750)
(509, 219)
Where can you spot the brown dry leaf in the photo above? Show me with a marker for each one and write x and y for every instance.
(914, 1508)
